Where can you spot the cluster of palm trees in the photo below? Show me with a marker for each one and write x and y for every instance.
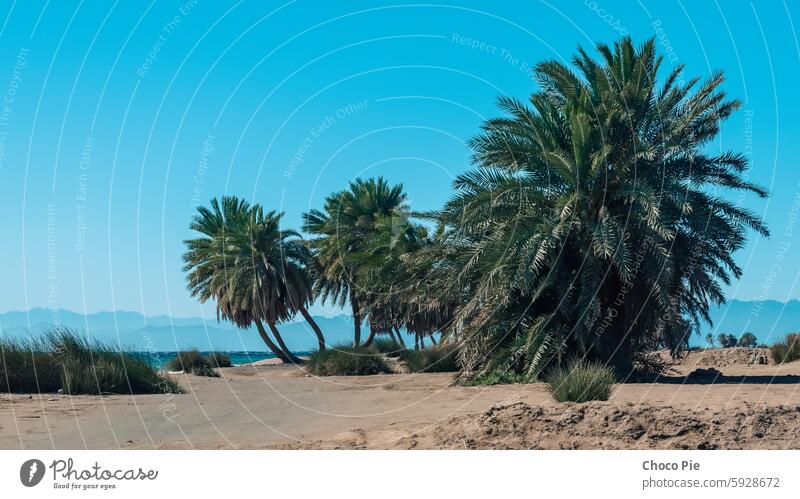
(593, 225)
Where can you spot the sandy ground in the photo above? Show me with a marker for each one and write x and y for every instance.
(273, 406)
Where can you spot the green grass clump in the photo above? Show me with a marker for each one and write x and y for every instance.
(435, 359)
(193, 362)
(63, 360)
(787, 350)
(345, 360)
(388, 346)
(28, 367)
(581, 382)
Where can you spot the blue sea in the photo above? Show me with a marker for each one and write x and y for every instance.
(159, 359)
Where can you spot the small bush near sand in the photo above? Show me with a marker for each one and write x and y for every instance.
(435, 359)
(581, 382)
(193, 362)
(63, 360)
(347, 361)
(787, 350)
(388, 346)
(219, 359)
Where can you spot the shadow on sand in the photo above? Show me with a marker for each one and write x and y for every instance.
(721, 379)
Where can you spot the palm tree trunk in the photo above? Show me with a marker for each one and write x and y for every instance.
(371, 337)
(416, 341)
(391, 335)
(270, 344)
(400, 337)
(433, 340)
(422, 342)
(356, 320)
(292, 357)
(315, 327)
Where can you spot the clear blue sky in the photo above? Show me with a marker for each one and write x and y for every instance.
(117, 117)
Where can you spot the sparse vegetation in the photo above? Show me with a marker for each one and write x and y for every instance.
(194, 362)
(581, 382)
(435, 359)
(63, 360)
(346, 360)
(219, 359)
(787, 350)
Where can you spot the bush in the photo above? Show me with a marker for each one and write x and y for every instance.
(346, 360)
(787, 350)
(63, 360)
(436, 359)
(92, 367)
(388, 346)
(581, 382)
(748, 340)
(193, 362)
(219, 359)
(726, 340)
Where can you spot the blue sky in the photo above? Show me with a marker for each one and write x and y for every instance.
(119, 117)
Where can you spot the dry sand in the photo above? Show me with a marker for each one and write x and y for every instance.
(275, 406)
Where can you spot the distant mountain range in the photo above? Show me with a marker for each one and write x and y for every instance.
(163, 333)
(769, 320)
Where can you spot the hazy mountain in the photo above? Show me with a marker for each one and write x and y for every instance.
(163, 333)
(769, 320)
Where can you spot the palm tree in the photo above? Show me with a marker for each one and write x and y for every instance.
(710, 340)
(348, 220)
(592, 225)
(389, 280)
(252, 269)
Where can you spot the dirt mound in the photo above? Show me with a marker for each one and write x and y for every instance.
(601, 425)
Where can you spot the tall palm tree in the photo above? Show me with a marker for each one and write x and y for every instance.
(252, 269)
(592, 225)
(341, 231)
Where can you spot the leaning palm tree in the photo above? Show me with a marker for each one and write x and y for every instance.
(251, 268)
(341, 232)
(593, 225)
(210, 261)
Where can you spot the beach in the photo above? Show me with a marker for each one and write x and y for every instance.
(267, 405)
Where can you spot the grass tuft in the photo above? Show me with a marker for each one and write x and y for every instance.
(435, 359)
(787, 350)
(63, 360)
(219, 359)
(581, 382)
(346, 360)
(193, 362)
(28, 366)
